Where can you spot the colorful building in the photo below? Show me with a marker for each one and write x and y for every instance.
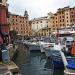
(20, 24)
(4, 26)
(40, 23)
(63, 18)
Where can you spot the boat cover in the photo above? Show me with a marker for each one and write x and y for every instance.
(71, 64)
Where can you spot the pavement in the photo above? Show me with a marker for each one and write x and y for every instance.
(4, 70)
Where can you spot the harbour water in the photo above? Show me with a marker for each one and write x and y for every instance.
(34, 63)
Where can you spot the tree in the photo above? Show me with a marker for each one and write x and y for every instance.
(13, 34)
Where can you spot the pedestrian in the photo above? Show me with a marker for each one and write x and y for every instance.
(1, 42)
(73, 49)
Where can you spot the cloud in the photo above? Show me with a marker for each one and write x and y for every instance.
(37, 8)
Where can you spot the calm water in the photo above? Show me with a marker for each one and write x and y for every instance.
(34, 63)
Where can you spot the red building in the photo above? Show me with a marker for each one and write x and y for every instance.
(4, 26)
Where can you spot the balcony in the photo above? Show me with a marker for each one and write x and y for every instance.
(3, 3)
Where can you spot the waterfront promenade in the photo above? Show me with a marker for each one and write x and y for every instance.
(33, 63)
(9, 68)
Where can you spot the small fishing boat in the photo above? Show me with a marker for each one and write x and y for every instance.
(54, 53)
(34, 46)
(70, 67)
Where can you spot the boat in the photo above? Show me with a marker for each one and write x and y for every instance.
(43, 45)
(54, 53)
(70, 67)
(34, 46)
(46, 43)
(68, 61)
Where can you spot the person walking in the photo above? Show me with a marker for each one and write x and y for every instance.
(1, 42)
(73, 49)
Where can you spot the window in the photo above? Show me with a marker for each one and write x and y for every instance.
(56, 17)
(60, 16)
(53, 25)
(16, 24)
(56, 21)
(36, 22)
(72, 16)
(63, 20)
(13, 19)
(16, 28)
(60, 25)
(24, 32)
(67, 17)
(67, 24)
(71, 12)
(1, 1)
(66, 13)
(53, 28)
(40, 21)
(60, 20)
(33, 23)
(21, 31)
(47, 21)
(63, 24)
(71, 20)
(67, 20)
(26, 21)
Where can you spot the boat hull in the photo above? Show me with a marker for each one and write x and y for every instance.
(56, 58)
(69, 72)
(34, 47)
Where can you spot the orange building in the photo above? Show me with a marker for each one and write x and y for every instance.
(20, 24)
(63, 18)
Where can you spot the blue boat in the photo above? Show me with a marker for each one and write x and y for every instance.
(56, 58)
(71, 63)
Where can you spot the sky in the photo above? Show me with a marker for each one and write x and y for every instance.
(37, 8)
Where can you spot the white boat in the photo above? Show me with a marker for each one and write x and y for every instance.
(33, 46)
(43, 45)
(69, 72)
(69, 65)
(46, 43)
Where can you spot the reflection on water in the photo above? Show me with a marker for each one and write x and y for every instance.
(34, 63)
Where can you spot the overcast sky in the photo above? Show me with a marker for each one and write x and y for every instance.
(37, 8)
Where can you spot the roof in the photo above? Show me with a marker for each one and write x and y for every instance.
(41, 18)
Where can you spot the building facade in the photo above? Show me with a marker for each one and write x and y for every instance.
(3, 2)
(4, 26)
(63, 18)
(44, 32)
(40, 23)
(20, 24)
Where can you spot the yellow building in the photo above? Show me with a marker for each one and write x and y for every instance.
(63, 18)
(43, 32)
